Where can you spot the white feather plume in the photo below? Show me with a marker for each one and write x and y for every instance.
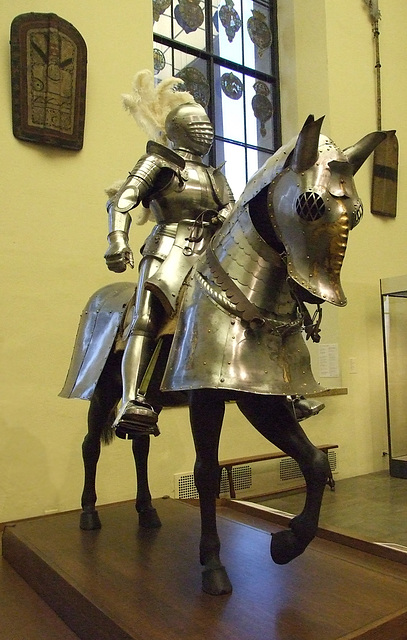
(150, 105)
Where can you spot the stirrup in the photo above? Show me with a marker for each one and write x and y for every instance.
(138, 418)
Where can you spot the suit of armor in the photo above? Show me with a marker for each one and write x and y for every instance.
(188, 199)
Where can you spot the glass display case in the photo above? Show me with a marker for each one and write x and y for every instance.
(394, 318)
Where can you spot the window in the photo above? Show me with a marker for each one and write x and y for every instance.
(225, 51)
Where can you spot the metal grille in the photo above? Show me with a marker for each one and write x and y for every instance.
(185, 486)
(289, 469)
(310, 206)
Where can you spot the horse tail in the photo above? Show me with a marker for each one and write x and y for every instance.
(107, 434)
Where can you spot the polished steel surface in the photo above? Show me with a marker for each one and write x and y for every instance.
(240, 319)
(313, 212)
(97, 331)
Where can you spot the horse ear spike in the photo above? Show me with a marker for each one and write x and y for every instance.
(305, 153)
(359, 152)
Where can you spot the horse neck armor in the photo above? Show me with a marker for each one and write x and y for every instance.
(248, 276)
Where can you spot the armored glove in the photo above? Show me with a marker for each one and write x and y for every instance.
(118, 254)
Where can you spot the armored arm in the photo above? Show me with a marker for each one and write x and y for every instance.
(225, 196)
(138, 185)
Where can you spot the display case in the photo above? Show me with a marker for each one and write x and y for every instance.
(394, 318)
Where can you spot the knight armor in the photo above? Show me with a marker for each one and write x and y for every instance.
(187, 199)
(185, 195)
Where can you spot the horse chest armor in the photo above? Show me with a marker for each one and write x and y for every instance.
(221, 350)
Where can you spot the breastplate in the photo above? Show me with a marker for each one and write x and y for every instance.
(188, 194)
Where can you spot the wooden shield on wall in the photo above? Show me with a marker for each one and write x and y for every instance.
(385, 174)
(48, 80)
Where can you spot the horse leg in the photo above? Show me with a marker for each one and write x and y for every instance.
(273, 418)
(206, 414)
(100, 418)
(147, 514)
(90, 454)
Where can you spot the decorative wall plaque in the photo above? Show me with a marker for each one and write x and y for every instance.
(48, 80)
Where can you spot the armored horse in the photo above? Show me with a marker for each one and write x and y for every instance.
(240, 318)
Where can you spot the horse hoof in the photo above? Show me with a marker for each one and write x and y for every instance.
(285, 546)
(149, 519)
(216, 582)
(90, 521)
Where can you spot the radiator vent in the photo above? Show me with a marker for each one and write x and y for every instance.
(185, 486)
(289, 469)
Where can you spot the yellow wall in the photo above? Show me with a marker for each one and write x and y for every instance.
(335, 76)
(54, 230)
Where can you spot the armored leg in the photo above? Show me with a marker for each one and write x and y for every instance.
(135, 415)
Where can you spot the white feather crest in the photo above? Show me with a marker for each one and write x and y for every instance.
(150, 105)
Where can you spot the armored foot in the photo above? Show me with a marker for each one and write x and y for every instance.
(89, 521)
(149, 518)
(138, 418)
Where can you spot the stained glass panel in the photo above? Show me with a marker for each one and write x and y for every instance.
(234, 157)
(257, 36)
(227, 32)
(189, 23)
(162, 17)
(229, 100)
(226, 53)
(259, 113)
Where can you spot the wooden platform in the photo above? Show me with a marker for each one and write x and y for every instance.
(123, 583)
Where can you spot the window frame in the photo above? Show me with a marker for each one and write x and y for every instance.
(212, 59)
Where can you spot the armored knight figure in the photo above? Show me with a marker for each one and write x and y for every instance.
(188, 199)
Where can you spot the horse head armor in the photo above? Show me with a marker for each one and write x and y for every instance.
(313, 204)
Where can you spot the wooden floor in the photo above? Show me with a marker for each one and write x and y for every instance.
(122, 583)
(23, 614)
